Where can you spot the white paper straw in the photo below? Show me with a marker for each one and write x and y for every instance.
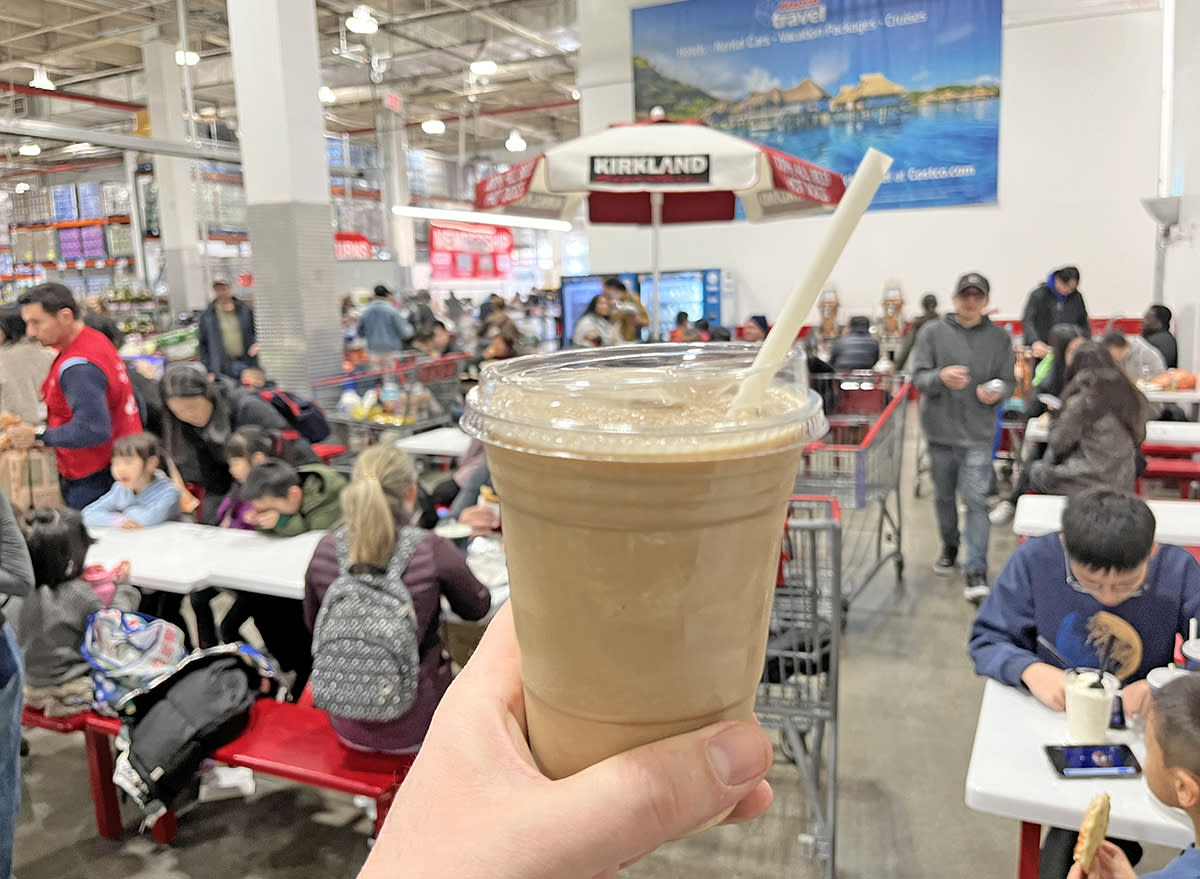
(1192, 629)
(841, 225)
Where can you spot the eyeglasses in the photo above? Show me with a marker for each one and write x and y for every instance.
(1093, 591)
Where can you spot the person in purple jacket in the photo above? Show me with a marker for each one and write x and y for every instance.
(1104, 594)
(376, 504)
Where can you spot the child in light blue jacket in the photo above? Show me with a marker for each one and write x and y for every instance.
(142, 495)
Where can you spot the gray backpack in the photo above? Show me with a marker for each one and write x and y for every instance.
(366, 662)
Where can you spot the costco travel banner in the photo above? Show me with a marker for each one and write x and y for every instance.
(825, 79)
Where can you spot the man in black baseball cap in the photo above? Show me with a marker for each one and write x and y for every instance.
(955, 362)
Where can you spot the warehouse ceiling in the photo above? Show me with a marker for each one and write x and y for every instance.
(91, 51)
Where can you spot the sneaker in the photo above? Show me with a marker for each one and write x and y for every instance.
(976, 588)
(1002, 513)
(944, 566)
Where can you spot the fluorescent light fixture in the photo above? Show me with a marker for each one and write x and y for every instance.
(484, 68)
(362, 21)
(326, 94)
(574, 94)
(517, 222)
(433, 126)
(515, 143)
(29, 149)
(186, 59)
(207, 111)
(21, 187)
(40, 79)
(76, 148)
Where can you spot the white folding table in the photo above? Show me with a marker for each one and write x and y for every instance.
(1162, 433)
(447, 441)
(1010, 776)
(1178, 521)
(1179, 398)
(260, 563)
(172, 557)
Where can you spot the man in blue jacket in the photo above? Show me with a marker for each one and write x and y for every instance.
(1105, 595)
(384, 327)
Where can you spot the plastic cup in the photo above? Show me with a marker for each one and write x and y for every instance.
(1191, 653)
(642, 526)
(1089, 708)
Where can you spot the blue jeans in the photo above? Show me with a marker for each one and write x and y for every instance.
(12, 686)
(965, 472)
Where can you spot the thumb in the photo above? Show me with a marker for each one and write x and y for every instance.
(628, 805)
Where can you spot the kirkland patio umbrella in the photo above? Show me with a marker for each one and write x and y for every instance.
(656, 172)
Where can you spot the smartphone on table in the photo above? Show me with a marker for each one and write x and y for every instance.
(1094, 761)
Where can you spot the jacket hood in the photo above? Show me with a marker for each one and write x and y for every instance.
(952, 319)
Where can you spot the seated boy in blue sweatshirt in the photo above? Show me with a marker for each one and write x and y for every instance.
(1172, 769)
(1101, 589)
(142, 494)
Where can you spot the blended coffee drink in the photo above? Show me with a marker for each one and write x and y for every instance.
(642, 525)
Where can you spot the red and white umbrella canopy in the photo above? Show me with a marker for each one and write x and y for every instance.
(699, 171)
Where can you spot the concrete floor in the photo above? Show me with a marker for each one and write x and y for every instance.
(909, 702)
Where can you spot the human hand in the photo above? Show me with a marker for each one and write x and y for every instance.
(482, 520)
(1109, 863)
(1047, 684)
(475, 770)
(121, 573)
(265, 520)
(129, 525)
(1040, 350)
(253, 350)
(986, 397)
(22, 436)
(955, 377)
(1136, 699)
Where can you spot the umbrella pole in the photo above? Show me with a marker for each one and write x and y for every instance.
(656, 205)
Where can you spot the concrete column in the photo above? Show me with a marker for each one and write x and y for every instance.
(176, 198)
(1182, 280)
(276, 76)
(393, 152)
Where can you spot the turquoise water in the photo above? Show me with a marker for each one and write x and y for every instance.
(939, 141)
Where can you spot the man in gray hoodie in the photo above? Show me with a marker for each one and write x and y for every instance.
(953, 362)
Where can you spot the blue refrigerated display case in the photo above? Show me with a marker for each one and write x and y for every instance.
(696, 291)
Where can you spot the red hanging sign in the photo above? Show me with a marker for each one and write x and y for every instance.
(351, 245)
(469, 250)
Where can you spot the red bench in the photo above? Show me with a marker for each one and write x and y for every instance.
(286, 740)
(1185, 471)
(328, 451)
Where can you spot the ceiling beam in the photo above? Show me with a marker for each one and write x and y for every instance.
(97, 16)
(115, 140)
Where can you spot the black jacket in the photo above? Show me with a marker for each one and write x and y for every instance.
(1165, 342)
(857, 349)
(211, 347)
(1043, 310)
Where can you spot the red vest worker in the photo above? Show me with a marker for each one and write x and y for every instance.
(89, 400)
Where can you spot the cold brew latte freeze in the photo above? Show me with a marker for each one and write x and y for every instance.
(642, 524)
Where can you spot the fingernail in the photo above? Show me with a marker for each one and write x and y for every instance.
(737, 755)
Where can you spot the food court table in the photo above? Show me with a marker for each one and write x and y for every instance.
(184, 557)
(1160, 433)
(1178, 521)
(1179, 398)
(447, 441)
(1010, 776)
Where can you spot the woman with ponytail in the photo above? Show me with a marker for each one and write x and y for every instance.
(376, 505)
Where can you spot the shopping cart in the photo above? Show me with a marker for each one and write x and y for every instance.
(418, 406)
(858, 463)
(798, 693)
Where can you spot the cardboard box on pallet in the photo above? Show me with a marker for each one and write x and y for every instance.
(29, 479)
